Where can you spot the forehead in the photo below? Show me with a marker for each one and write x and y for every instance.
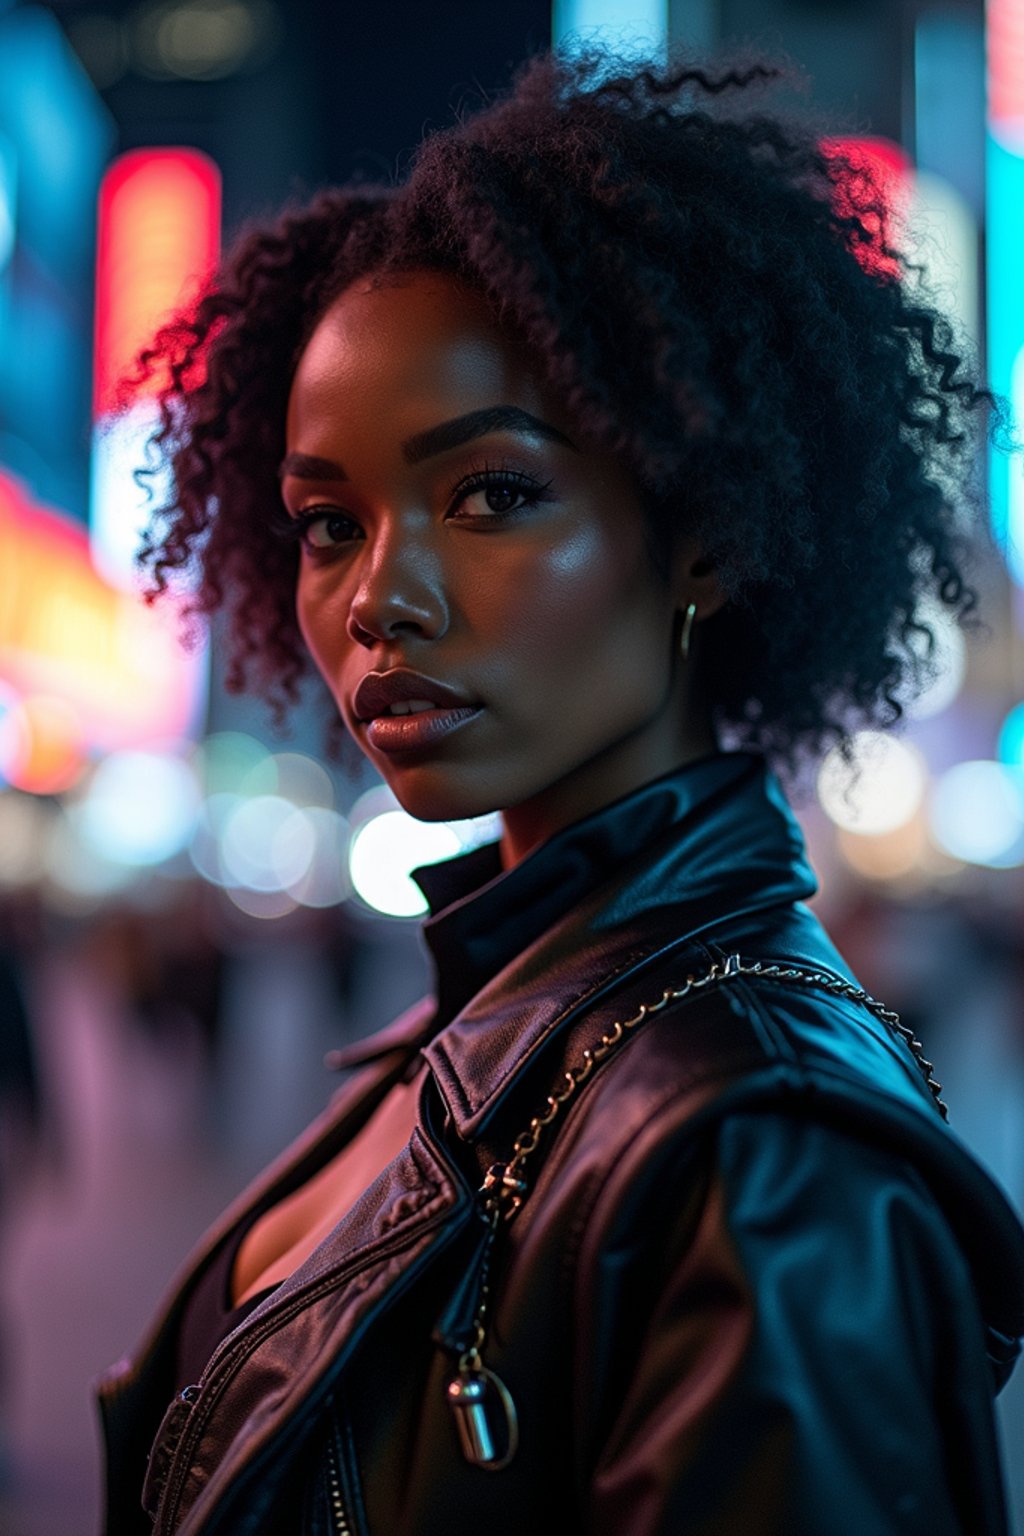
(415, 337)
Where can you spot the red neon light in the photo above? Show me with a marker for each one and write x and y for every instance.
(159, 232)
(1005, 44)
(891, 171)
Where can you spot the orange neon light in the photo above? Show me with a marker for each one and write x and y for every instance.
(66, 634)
(159, 236)
(50, 753)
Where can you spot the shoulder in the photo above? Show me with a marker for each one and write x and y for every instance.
(771, 1017)
(850, 1186)
(776, 1077)
(805, 1307)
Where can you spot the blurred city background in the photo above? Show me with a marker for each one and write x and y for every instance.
(193, 909)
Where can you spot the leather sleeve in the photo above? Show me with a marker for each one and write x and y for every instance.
(812, 1362)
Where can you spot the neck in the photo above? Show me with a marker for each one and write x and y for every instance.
(609, 776)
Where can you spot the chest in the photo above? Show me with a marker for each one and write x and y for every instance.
(284, 1236)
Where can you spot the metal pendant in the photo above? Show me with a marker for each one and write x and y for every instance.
(485, 1417)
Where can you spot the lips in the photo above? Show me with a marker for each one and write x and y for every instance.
(378, 691)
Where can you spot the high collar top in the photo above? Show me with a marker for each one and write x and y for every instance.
(718, 820)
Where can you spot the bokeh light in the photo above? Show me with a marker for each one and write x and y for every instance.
(203, 39)
(882, 790)
(204, 848)
(42, 745)
(302, 780)
(887, 855)
(326, 881)
(266, 905)
(383, 852)
(140, 807)
(380, 863)
(267, 844)
(477, 830)
(230, 762)
(977, 813)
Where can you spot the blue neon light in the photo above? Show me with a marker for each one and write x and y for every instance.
(1005, 182)
(1011, 738)
(8, 199)
(623, 24)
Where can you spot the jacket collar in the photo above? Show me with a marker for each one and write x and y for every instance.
(516, 953)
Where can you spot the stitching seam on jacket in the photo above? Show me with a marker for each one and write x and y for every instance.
(469, 1107)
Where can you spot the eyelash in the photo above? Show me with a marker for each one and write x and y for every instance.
(481, 477)
(486, 475)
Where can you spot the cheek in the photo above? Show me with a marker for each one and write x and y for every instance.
(305, 615)
(589, 595)
(320, 621)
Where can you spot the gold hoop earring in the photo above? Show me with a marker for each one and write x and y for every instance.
(684, 638)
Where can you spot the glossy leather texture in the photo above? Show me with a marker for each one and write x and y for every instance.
(757, 1285)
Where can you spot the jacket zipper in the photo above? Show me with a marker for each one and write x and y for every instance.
(339, 1518)
(228, 1356)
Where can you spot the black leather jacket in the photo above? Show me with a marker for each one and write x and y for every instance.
(754, 1282)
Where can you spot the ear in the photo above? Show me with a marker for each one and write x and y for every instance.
(695, 580)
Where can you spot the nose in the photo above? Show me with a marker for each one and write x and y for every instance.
(400, 588)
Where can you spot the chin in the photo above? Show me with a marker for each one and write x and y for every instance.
(431, 797)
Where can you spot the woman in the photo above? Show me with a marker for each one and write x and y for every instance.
(611, 436)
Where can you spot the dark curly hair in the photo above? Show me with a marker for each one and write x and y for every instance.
(717, 296)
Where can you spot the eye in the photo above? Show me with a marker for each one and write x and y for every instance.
(503, 492)
(499, 493)
(321, 528)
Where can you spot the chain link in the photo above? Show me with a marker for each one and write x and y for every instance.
(505, 1187)
(840, 988)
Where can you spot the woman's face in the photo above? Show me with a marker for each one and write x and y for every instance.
(462, 547)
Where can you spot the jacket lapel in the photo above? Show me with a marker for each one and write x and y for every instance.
(735, 850)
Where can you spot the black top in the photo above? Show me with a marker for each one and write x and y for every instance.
(210, 1315)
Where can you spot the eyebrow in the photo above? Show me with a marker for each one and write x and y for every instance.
(448, 434)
